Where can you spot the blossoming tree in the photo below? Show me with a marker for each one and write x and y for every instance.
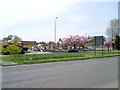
(75, 41)
(108, 43)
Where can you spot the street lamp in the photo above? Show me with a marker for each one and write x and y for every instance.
(55, 29)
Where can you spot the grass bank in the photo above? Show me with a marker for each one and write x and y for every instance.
(55, 57)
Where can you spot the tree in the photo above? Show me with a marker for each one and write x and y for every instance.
(91, 43)
(50, 42)
(108, 43)
(112, 29)
(117, 42)
(12, 37)
(75, 41)
(42, 42)
(9, 37)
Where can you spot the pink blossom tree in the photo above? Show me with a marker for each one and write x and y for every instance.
(108, 43)
(75, 41)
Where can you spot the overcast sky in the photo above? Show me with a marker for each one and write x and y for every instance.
(34, 20)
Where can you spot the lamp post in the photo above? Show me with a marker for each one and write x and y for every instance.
(55, 30)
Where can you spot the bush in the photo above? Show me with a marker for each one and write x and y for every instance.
(11, 49)
(23, 48)
(117, 42)
(0, 48)
(4, 49)
(22, 51)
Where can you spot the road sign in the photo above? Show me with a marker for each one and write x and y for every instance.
(99, 40)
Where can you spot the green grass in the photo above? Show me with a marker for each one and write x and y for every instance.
(55, 57)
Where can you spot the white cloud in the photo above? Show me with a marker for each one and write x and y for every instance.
(13, 11)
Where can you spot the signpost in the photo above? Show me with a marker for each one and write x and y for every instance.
(99, 40)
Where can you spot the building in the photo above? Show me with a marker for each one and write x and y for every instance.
(3, 42)
(14, 42)
(28, 44)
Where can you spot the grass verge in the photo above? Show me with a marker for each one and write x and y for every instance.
(55, 57)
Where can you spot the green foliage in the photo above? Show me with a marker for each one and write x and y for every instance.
(42, 42)
(51, 42)
(24, 48)
(0, 48)
(117, 42)
(4, 49)
(10, 49)
(10, 37)
(5, 46)
(90, 44)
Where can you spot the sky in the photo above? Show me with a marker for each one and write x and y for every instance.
(34, 20)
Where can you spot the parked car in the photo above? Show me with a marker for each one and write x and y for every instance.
(89, 48)
(72, 50)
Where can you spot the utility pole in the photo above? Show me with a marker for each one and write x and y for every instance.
(55, 29)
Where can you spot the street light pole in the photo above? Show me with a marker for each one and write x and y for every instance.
(55, 29)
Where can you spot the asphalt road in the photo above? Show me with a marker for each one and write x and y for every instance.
(92, 73)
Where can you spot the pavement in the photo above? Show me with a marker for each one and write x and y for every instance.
(4, 63)
(92, 73)
(34, 52)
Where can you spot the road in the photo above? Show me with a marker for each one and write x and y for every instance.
(91, 73)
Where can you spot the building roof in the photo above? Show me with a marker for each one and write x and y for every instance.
(28, 42)
(13, 41)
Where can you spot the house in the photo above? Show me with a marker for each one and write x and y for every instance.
(3, 42)
(28, 44)
(50, 46)
(14, 42)
(44, 46)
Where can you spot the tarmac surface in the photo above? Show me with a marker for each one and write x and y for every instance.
(91, 73)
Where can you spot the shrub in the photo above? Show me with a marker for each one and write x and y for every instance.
(4, 49)
(117, 42)
(0, 48)
(10, 49)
